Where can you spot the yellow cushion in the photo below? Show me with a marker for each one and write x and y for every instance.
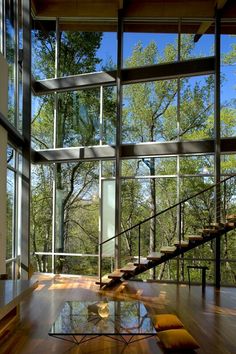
(166, 321)
(176, 339)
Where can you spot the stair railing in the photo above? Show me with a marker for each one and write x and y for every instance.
(181, 205)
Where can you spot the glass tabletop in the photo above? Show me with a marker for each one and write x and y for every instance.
(103, 318)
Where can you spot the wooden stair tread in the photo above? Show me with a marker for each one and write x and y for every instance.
(117, 274)
(207, 230)
(154, 256)
(167, 249)
(194, 237)
(143, 261)
(218, 225)
(129, 267)
(231, 217)
(105, 280)
(183, 243)
(230, 224)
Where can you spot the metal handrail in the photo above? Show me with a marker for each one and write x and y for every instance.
(167, 209)
(154, 216)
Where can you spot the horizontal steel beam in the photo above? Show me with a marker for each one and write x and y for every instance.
(74, 82)
(192, 67)
(73, 154)
(155, 72)
(131, 151)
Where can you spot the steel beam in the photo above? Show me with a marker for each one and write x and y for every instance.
(75, 82)
(131, 151)
(185, 68)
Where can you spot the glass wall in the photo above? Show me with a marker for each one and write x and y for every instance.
(13, 212)
(163, 111)
(72, 228)
(11, 45)
(228, 78)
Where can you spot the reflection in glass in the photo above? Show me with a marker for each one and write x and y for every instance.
(10, 214)
(42, 122)
(78, 118)
(11, 60)
(125, 317)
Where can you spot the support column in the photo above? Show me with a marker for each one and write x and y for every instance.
(118, 135)
(3, 199)
(3, 163)
(217, 144)
(26, 132)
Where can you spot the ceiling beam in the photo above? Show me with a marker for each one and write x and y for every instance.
(204, 26)
(133, 8)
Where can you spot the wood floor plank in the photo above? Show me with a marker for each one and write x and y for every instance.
(211, 318)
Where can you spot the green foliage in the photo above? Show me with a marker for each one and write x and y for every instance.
(150, 114)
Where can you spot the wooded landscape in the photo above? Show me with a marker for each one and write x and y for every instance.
(159, 111)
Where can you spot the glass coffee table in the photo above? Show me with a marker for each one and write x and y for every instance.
(81, 321)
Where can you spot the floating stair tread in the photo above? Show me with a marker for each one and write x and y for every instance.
(105, 280)
(231, 217)
(194, 237)
(208, 230)
(117, 274)
(230, 224)
(218, 225)
(142, 262)
(129, 267)
(183, 243)
(168, 249)
(153, 256)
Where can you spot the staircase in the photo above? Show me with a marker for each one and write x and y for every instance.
(182, 244)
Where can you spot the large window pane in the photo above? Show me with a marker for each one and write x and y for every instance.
(198, 211)
(228, 271)
(43, 49)
(42, 124)
(197, 108)
(189, 48)
(149, 166)
(11, 60)
(85, 52)
(10, 214)
(228, 80)
(78, 118)
(41, 212)
(228, 164)
(198, 164)
(77, 207)
(81, 265)
(150, 112)
(142, 49)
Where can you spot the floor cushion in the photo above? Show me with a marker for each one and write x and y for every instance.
(166, 321)
(177, 339)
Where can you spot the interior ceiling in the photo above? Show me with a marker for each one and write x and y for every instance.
(91, 15)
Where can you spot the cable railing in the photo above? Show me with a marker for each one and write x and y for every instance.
(211, 204)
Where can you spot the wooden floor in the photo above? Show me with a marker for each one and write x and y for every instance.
(210, 319)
